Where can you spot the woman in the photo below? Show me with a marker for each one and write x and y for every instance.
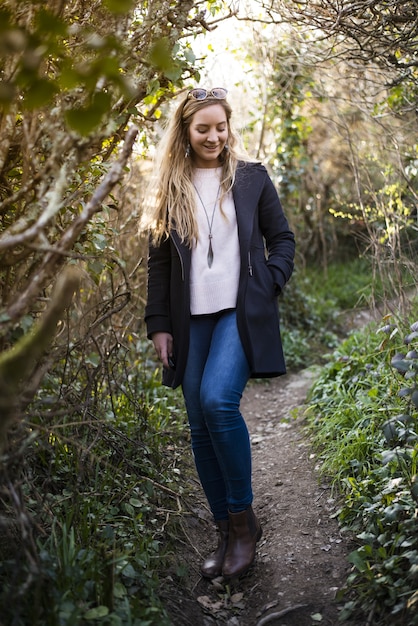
(220, 253)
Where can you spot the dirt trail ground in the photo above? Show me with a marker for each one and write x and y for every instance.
(301, 559)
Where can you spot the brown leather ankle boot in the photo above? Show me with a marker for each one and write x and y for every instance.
(244, 532)
(212, 566)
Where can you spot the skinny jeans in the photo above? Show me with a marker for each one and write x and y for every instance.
(216, 374)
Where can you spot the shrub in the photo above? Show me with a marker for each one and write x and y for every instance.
(363, 417)
(87, 491)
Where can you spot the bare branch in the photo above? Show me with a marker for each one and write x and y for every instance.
(51, 260)
(17, 362)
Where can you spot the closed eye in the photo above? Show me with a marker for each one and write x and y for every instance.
(205, 129)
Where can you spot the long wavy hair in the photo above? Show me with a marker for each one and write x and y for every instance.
(173, 202)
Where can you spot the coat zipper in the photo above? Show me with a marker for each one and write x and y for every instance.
(180, 257)
(250, 267)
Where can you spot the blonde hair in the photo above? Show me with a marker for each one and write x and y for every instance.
(172, 185)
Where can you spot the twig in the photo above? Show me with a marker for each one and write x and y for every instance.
(191, 544)
(279, 614)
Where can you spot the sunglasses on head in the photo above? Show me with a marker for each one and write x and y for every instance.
(201, 94)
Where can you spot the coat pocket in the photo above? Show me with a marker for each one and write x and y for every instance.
(261, 274)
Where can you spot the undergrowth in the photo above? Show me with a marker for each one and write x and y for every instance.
(93, 489)
(90, 493)
(312, 308)
(363, 419)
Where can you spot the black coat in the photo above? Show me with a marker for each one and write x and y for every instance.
(267, 248)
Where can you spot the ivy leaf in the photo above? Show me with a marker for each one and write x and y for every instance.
(411, 336)
(400, 363)
(414, 397)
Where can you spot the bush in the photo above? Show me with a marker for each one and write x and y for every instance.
(363, 418)
(87, 492)
(312, 309)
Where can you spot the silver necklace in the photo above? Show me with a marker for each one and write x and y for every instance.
(210, 223)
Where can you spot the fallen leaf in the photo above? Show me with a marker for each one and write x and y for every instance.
(209, 605)
(236, 597)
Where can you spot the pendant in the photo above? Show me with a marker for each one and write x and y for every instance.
(210, 252)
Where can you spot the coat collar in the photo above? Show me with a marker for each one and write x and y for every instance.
(246, 193)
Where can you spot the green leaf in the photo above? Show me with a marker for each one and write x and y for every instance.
(392, 512)
(7, 92)
(97, 612)
(129, 509)
(130, 572)
(5, 20)
(390, 430)
(161, 55)
(40, 93)
(135, 502)
(358, 560)
(400, 364)
(93, 359)
(189, 55)
(410, 337)
(414, 397)
(119, 590)
(84, 120)
(50, 24)
(391, 455)
(119, 6)
(69, 77)
(367, 537)
(99, 242)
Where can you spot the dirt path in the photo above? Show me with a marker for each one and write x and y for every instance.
(301, 559)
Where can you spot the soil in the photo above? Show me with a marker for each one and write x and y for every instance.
(301, 561)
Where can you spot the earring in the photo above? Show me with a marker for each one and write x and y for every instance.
(226, 147)
(187, 153)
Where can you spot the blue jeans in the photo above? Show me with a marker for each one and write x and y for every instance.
(216, 373)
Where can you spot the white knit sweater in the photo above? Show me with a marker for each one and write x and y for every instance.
(214, 288)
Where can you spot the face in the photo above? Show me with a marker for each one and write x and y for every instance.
(208, 134)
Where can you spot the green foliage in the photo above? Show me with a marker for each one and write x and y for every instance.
(313, 306)
(346, 285)
(88, 64)
(343, 156)
(363, 418)
(90, 485)
(304, 334)
(97, 508)
(73, 78)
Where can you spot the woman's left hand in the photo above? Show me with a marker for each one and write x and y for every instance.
(163, 344)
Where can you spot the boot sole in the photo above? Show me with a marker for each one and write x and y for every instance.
(211, 576)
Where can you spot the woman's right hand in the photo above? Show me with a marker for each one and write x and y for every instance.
(163, 344)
